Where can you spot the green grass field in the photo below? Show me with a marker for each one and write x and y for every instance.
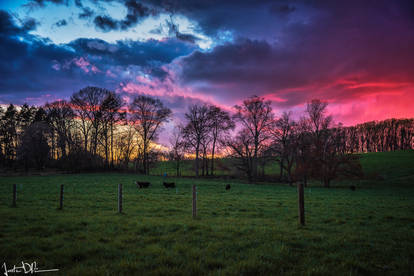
(223, 167)
(249, 230)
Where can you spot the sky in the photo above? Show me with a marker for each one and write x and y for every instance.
(356, 55)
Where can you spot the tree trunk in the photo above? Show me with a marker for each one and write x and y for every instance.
(206, 161)
(112, 145)
(106, 150)
(144, 161)
(326, 182)
(196, 160)
(178, 167)
(256, 145)
(212, 157)
(301, 203)
(281, 169)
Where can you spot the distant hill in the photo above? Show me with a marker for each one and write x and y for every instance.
(391, 168)
(380, 168)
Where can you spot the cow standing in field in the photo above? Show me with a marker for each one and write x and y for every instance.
(228, 187)
(141, 185)
(169, 184)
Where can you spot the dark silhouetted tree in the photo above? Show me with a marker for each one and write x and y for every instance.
(196, 130)
(221, 124)
(255, 115)
(148, 115)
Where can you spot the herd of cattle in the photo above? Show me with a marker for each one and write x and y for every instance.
(167, 185)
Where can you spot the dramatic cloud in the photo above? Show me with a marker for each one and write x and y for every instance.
(341, 55)
(33, 66)
(135, 13)
(105, 23)
(86, 13)
(61, 23)
(355, 54)
(173, 29)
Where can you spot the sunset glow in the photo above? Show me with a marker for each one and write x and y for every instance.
(357, 56)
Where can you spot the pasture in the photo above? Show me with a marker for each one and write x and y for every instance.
(249, 229)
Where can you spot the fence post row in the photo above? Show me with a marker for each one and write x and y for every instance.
(301, 202)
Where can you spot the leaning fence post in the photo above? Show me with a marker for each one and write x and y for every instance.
(301, 201)
(194, 201)
(119, 198)
(14, 195)
(61, 198)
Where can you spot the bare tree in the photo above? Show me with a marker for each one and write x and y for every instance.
(177, 148)
(34, 146)
(241, 148)
(337, 161)
(87, 106)
(328, 144)
(60, 117)
(111, 114)
(196, 129)
(318, 120)
(221, 123)
(285, 143)
(148, 115)
(125, 144)
(9, 128)
(304, 155)
(255, 115)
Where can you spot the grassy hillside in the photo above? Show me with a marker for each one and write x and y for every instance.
(380, 168)
(223, 166)
(389, 168)
(251, 229)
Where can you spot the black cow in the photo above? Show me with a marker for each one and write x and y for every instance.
(169, 184)
(143, 184)
(228, 187)
(352, 187)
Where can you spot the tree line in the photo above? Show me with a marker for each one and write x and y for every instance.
(97, 130)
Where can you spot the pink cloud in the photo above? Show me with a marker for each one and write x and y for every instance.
(81, 62)
(168, 90)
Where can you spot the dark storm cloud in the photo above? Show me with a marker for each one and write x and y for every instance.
(244, 17)
(105, 23)
(173, 30)
(128, 52)
(86, 13)
(32, 66)
(31, 4)
(7, 26)
(30, 24)
(78, 3)
(367, 42)
(61, 23)
(24, 64)
(135, 13)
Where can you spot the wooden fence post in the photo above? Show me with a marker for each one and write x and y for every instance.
(194, 201)
(301, 199)
(14, 195)
(119, 198)
(61, 198)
